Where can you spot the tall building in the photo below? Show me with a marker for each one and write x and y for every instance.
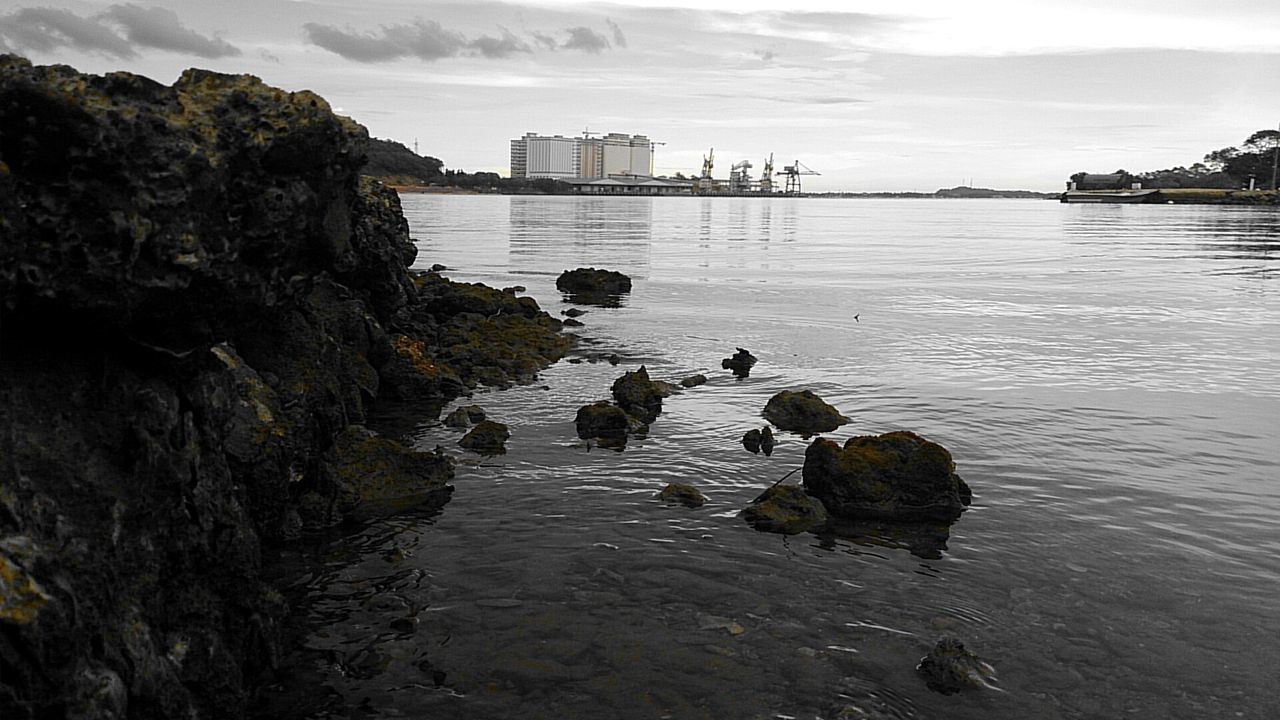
(536, 156)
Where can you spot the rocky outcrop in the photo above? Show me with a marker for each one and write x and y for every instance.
(785, 509)
(898, 475)
(740, 363)
(604, 422)
(802, 412)
(950, 668)
(589, 286)
(638, 396)
(487, 438)
(199, 300)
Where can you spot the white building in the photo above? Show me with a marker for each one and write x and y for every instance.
(539, 156)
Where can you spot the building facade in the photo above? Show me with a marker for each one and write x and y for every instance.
(539, 156)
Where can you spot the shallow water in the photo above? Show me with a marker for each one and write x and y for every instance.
(1103, 375)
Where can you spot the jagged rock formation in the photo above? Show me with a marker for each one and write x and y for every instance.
(199, 299)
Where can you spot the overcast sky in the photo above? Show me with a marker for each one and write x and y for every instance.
(899, 95)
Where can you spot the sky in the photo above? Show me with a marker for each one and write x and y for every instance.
(900, 95)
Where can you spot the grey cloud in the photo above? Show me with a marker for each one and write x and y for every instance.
(160, 28)
(49, 29)
(504, 46)
(585, 39)
(618, 38)
(765, 55)
(544, 41)
(425, 40)
(353, 46)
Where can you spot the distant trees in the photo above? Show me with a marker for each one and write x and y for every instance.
(1228, 168)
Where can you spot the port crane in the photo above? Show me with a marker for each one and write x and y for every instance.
(740, 177)
(766, 177)
(708, 163)
(793, 173)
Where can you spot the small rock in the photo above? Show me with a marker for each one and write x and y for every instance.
(589, 286)
(740, 363)
(785, 509)
(766, 440)
(513, 289)
(487, 438)
(570, 322)
(638, 395)
(950, 668)
(751, 441)
(458, 419)
(573, 312)
(686, 495)
(602, 421)
(694, 381)
(803, 412)
(438, 268)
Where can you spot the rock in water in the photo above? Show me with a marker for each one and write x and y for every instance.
(487, 438)
(766, 440)
(603, 421)
(898, 475)
(803, 412)
(751, 441)
(590, 286)
(686, 495)
(458, 419)
(950, 668)
(640, 397)
(694, 381)
(785, 509)
(740, 363)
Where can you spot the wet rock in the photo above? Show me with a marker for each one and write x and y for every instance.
(366, 467)
(572, 323)
(464, 416)
(760, 440)
(898, 475)
(593, 282)
(785, 509)
(693, 381)
(751, 441)
(686, 495)
(573, 312)
(740, 363)
(438, 268)
(603, 421)
(766, 440)
(639, 396)
(802, 412)
(487, 438)
(950, 668)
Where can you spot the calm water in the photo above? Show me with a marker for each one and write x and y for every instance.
(1104, 377)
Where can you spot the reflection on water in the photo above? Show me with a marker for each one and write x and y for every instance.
(1103, 376)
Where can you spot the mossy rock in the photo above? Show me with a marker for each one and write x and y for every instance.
(602, 421)
(898, 475)
(639, 396)
(367, 467)
(950, 668)
(487, 438)
(802, 412)
(682, 494)
(589, 286)
(785, 509)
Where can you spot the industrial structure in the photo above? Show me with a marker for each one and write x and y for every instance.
(565, 158)
(617, 163)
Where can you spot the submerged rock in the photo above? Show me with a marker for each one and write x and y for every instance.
(740, 363)
(802, 412)
(898, 475)
(639, 396)
(589, 286)
(950, 668)
(785, 509)
(686, 495)
(694, 381)
(758, 441)
(487, 438)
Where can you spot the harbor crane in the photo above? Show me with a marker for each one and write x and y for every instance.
(766, 177)
(708, 163)
(740, 177)
(793, 173)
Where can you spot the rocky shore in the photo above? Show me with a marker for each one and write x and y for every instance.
(200, 299)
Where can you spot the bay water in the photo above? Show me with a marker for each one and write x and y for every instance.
(1104, 376)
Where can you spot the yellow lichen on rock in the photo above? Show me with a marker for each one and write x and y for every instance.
(20, 595)
(415, 351)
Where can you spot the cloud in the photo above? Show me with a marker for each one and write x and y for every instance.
(425, 39)
(585, 39)
(505, 46)
(353, 46)
(765, 55)
(544, 41)
(50, 29)
(618, 38)
(160, 28)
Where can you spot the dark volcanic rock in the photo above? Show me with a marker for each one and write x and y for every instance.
(766, 440)
(693, 381)
(802, 412)
(465, 416)
(950, 668)
(759, 440)
(199, 299)
(639, 396)
(603, 421)
(740, 363)
(751, 441)
(686, 495)
(589, 286)
(898, 475)
(785, 509)
(487, 438)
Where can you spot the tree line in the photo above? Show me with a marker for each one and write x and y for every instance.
(1227, 169)
(396, 164)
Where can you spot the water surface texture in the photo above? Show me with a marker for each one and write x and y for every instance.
(1103, 375)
